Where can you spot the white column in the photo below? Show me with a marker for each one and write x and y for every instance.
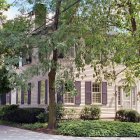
(13, 96)
(20, 61)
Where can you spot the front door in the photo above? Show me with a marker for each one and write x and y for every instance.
(126, 96)
(127, 99)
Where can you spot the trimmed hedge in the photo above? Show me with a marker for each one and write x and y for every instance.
(99, 129)
(13, 113)
(125, 115)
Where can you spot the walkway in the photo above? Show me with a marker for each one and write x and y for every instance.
(10, 133)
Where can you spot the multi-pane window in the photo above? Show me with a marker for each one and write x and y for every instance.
(68, 98)
(8, 98)
(42, 93)
(96, 93)
(19, 96)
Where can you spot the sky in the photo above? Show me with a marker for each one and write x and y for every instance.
(12, 12)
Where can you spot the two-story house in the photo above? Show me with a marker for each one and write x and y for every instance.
(109, 96)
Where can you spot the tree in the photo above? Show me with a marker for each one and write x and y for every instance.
(4, 82)
(104, 33)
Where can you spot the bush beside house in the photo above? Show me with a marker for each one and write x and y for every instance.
(90, 113)
(127, 115)
(15, 114)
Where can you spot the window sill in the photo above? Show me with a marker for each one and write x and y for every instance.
(69, 104)
(97, 104)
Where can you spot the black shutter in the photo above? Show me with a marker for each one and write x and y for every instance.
(22, 96)
(88, 91)
(46, 91)
(29, 93)
(3, 99)
(16, 97)
(39, 91)
(104, 93)
(78, 96)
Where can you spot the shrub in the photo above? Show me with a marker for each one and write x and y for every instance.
(70, 114)
(89, 128)
(120, 115)
(131, 116)
(127, 115)
(90, 113)
(59, 111)
(95, 112)
(43, 117)
(20, 115)
(85, 113)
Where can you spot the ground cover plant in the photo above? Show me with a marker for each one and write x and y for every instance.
(99, 129)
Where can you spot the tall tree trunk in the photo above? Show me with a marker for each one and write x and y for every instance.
(52, 75)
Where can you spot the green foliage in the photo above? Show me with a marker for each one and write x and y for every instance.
(127, 115)
(40, 11)
(59, 111)
(43, 117)
(70, 114)
(99, 129)
(102, 38)
(90, 113)
(4, 81)
(4, 6)
(13, 113)
(29, 126)
(34, 126)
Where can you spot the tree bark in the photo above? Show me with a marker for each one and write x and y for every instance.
(52, 75)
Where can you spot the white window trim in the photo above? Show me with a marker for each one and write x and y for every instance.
(68, 103)
(93, 103)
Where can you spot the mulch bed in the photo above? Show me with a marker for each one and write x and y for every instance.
(47, 131)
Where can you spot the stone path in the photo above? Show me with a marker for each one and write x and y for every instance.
(10, 133)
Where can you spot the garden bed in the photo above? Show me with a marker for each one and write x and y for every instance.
(82, 128)
(99, 129)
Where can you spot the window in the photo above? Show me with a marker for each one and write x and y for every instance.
(26, 58)
(96, 93)
(42, 93)
(68, 98)
(133, 96)
(25, 96)
(8, 98)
